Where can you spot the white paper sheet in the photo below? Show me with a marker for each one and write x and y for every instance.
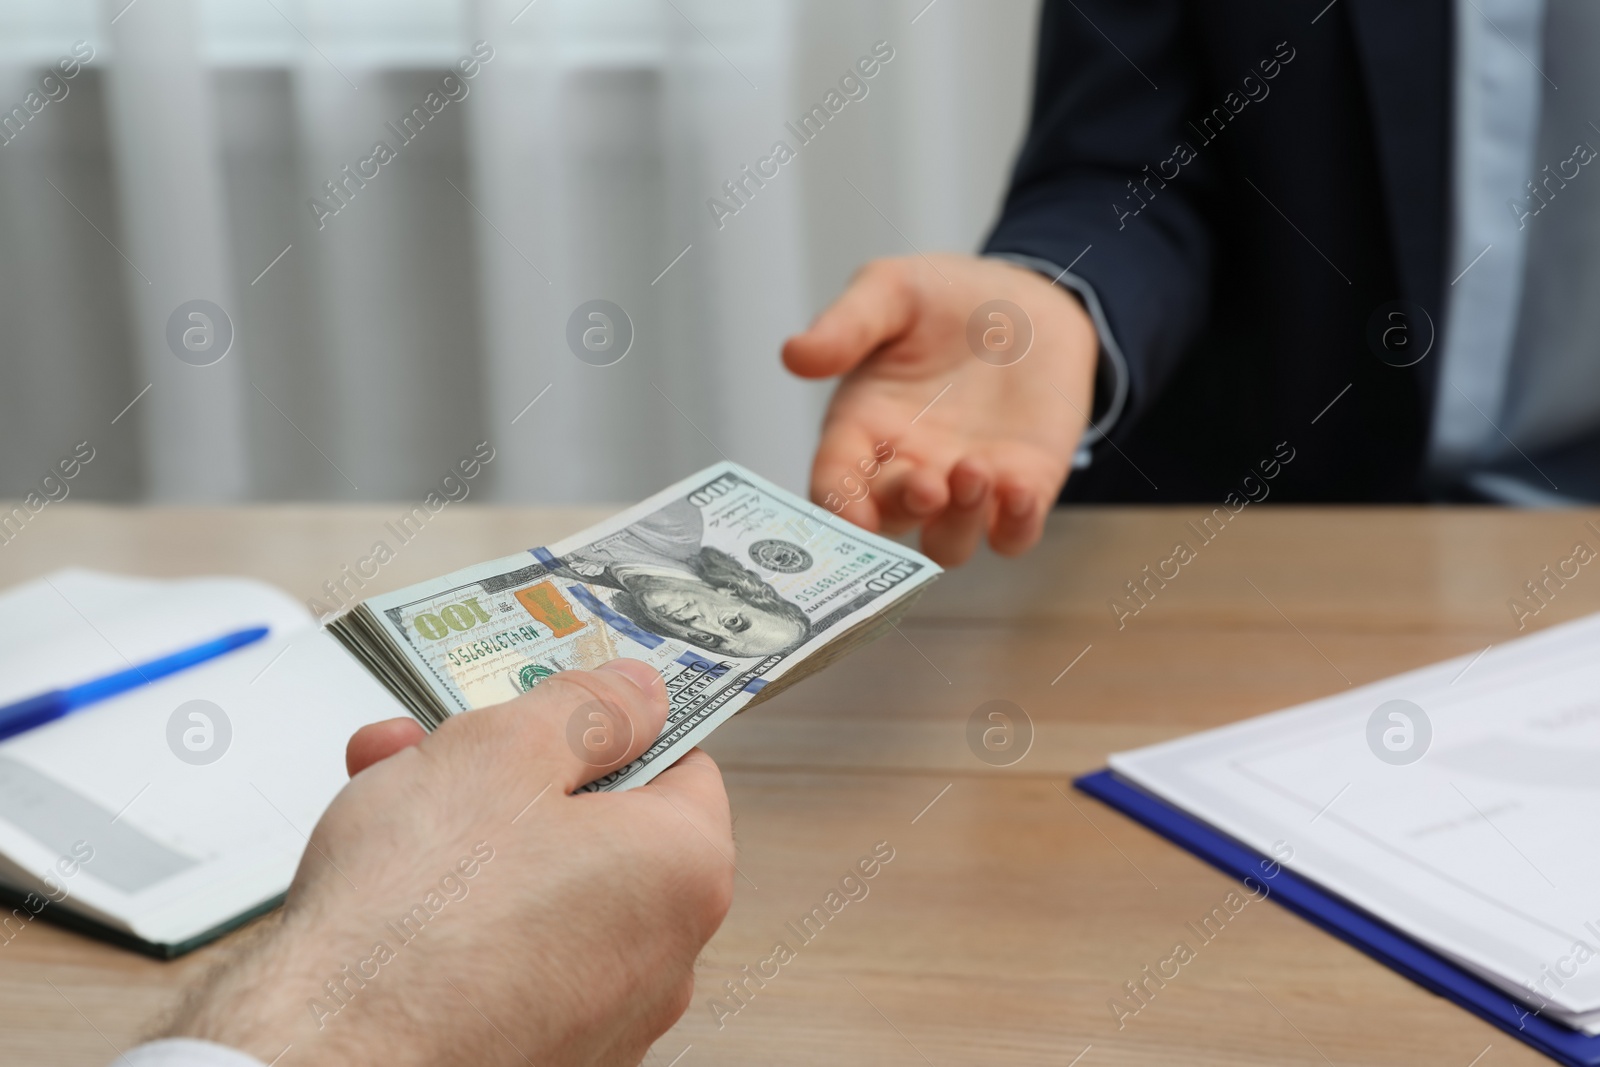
(1484, 848)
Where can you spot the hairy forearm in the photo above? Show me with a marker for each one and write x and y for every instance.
(261, 999)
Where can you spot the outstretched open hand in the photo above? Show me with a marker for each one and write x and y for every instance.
(938, 421)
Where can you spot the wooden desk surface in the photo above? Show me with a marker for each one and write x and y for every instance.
(1014, 908)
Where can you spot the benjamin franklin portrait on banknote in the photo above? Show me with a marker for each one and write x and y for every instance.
(668, 582)
(728, 585)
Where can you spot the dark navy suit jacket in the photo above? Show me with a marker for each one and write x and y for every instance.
(1241, 272)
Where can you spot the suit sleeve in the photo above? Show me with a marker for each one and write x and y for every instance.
(1110, 181)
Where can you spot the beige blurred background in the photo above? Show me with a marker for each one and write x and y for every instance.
(372, 354)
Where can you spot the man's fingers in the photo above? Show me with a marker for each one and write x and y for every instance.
(1019, 518)
(879, 307)
(908, 495)
(379, 740)
(693, 788)
(952, 537)
(640, 673)
(924, 493)
(627, 712)
(575, 726)
(837, 483)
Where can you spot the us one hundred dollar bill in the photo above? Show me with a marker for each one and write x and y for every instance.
(729, 586)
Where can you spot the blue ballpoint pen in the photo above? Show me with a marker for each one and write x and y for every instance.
(49, 706)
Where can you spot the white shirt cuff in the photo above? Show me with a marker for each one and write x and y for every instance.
(185, 1052)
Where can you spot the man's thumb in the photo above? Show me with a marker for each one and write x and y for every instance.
(879, 307)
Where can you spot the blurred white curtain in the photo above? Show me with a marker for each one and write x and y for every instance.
(373, 351)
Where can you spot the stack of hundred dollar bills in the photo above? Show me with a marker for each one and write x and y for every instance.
(730, 586)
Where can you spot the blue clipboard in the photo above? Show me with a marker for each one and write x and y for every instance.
(1346, 922)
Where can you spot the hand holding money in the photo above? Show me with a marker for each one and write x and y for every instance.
(729, 586)
(454, 880)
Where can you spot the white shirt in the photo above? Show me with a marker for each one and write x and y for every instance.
(185, 1052)
(1517, 415)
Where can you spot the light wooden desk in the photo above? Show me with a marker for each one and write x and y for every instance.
(1014, 907)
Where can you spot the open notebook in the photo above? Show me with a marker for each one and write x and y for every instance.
(131, 818)
(1467, 819)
